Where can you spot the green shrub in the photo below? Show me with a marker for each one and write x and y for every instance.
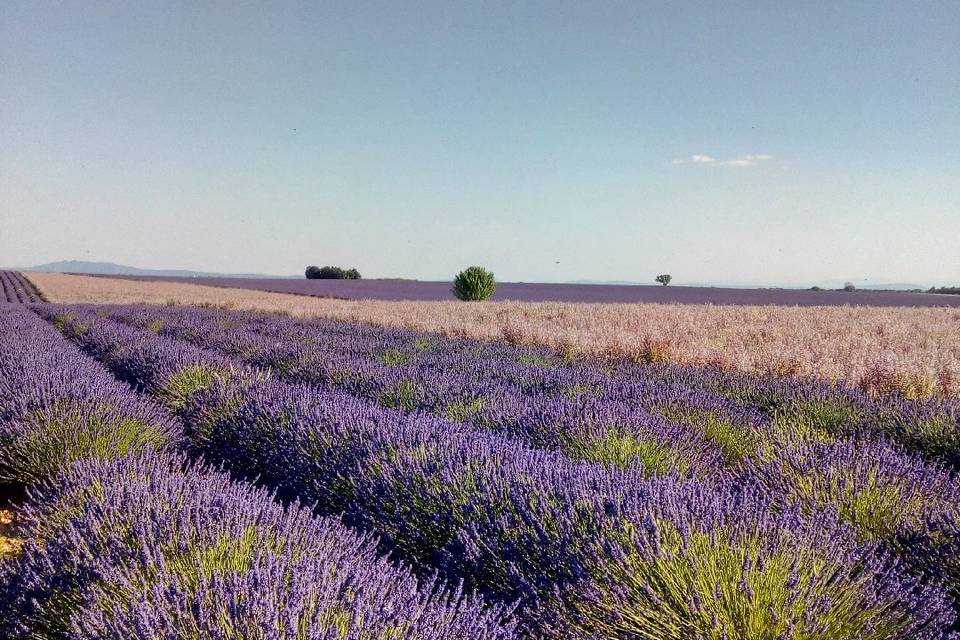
(474, 283)
(331, 273)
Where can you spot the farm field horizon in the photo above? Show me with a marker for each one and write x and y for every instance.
(911, 350)
(422, 290)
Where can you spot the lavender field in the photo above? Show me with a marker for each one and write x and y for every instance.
(14, 287)
(211, 473)
(559, 292)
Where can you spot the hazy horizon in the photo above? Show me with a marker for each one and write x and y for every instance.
(551, 142)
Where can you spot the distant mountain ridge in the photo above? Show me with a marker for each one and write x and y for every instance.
(111, 268)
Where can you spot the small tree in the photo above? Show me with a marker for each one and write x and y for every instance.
(474, 283)
(664, 278)
(351, 274)
(312, 272)
(849, 286)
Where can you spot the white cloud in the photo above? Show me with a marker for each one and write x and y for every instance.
(745, 160)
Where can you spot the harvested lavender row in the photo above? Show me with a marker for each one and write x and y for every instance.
(588, 551)
(58, 405)
(528, 390)
(148, 547)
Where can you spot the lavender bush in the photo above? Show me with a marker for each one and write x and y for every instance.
(149, 547)
(57, 405)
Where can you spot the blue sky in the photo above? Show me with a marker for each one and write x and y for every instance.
(721, 142)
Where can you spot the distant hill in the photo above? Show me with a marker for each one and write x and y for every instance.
(110, 268)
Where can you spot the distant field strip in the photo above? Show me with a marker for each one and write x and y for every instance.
(912, 350)
(398, 290)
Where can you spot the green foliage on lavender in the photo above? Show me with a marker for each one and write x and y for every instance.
(534, 359)
(621, 448)
(58, 435)
(393, 357)
(713, 586)
(155, 325)
(176, 392)
(463, 411)
(401, 395)
(67, 324)
(937, 436)
(737, 442)
(577, 390)
(876, 504)
(423, 344)
(819, 419)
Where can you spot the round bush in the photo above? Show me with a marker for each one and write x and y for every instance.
(474, 283)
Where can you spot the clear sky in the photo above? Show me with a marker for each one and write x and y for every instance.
(717, 141)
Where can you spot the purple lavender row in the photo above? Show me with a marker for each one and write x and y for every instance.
(8, 288)
(749, 406)
(31, 290)
(887, 495)
(886, 469)
(491, 385)
(556, 408)
(818, 410)
(28, 291)
(927, 426)
(587, 550)
(58, 405)
(921, 527)
(149, 547)
(16, 288)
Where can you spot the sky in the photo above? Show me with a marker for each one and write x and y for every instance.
(719, 142)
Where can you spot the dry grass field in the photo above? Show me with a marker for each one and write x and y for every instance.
(913, 350)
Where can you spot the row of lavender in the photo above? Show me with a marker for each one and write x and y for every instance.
(127, 539)
(601, 411)
(14, 287)
(588, 549)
